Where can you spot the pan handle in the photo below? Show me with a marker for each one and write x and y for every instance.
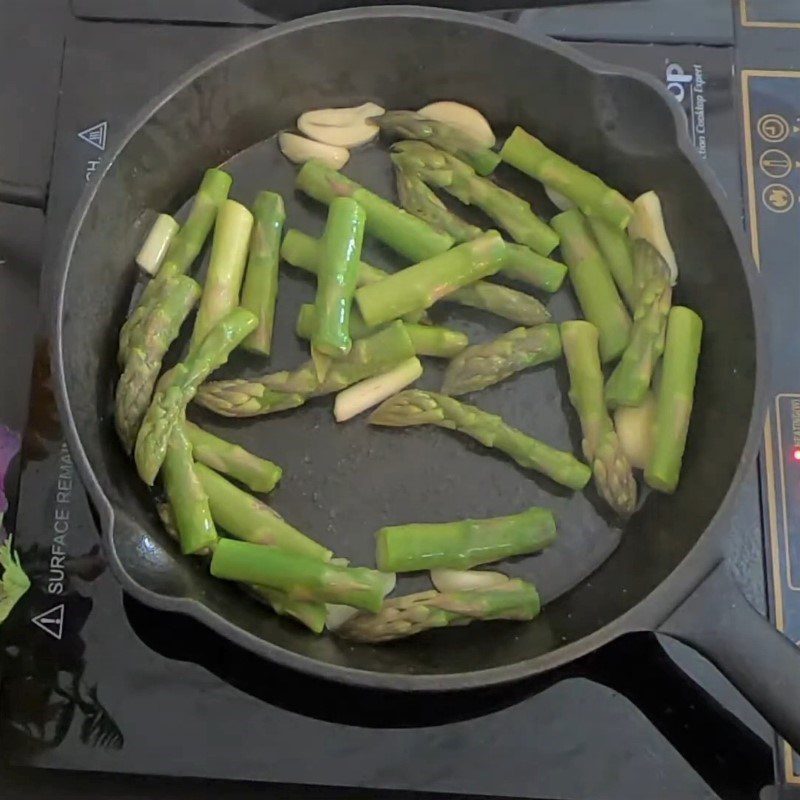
(718, 622)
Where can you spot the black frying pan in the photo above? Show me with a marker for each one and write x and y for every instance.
(345, 481)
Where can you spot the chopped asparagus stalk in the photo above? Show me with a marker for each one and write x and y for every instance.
(187, 498)
(523, 264)
(147, 347)
(675, 399)
(418, 407)
(300, 577)
(404, 233)
(225, 269)
(444, 171)
(154, 248)
(428, 340)
(449, 138)
(587, 191)
(419, 199)
(648, 223)
(635, 425)
(463, 544)
(421, 285)
(368, 393)
(612, 470)
(482, 365)
(176, 389)
(256, 473)
(302, 251)
(312, 615)
(593, 284)
(183, 250)
(337, 276)
(615, 247)
(247, 518)
(283, 390)
(260, 289)
(415, 613)
(631, 378)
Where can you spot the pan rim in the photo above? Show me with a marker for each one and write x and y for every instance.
(645, 615)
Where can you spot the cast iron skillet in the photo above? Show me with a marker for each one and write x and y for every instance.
(344, 482)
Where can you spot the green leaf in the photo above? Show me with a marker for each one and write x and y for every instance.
(13, 580)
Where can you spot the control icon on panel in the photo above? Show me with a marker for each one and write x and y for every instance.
(773, 128)
(775, 163)
(778, 198)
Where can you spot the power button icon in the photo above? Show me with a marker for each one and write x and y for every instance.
(773, 128)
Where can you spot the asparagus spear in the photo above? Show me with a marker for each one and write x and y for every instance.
(440, 169)
(147, 346)
(301, 250)
(260, 289)
(612, 471)
(418, 407)
(300, 577)
(516, 307)
(415, 613)
(247, 518)
(482, 365)
(615, 248)
(177, 387)
(593, 284)
(428, 340)
(404, 233)
(256, 473)
(419, 199)
(521, 263)
(452, 140)
(188, 500)
(675, 398)
(337, 276)
(283, 390)
(587, 191)
(183, 250)
(421, 285)
(312, 615)
(631, 378)
(463, 544)
(225, 269)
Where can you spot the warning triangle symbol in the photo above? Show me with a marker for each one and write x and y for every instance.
(51, 621)
(96, 135)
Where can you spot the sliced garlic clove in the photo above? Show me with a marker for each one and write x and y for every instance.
(465, 580)
(342, 117)
(338, 615)
(648, 223)
(299, 149)
(343, 127)
(560, 201)
(461, 116)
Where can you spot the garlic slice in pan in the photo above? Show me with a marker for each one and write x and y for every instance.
(343, 127)
(461, 116)
(299, 149)
(648, 223)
